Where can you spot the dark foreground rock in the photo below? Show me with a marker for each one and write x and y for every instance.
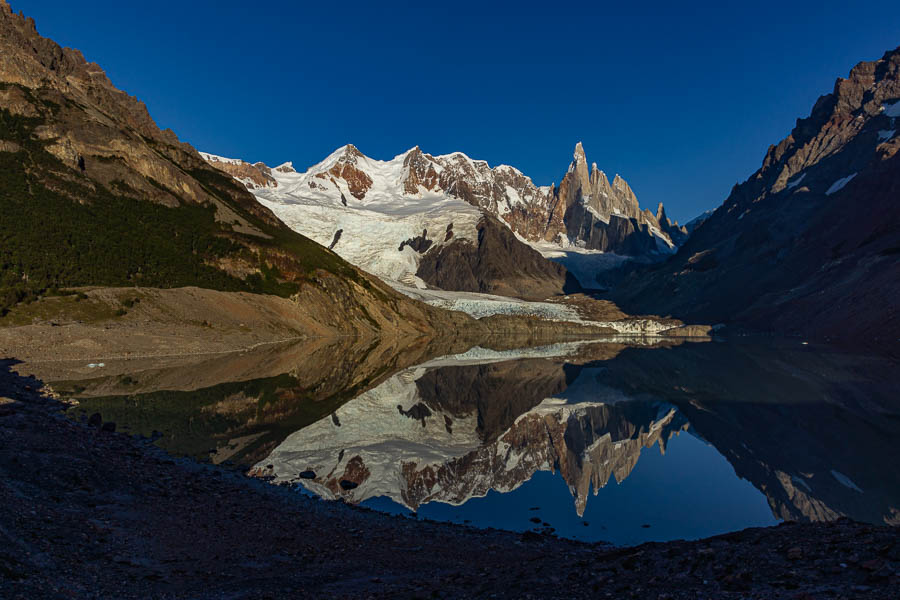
(497, 263)
(89, 513)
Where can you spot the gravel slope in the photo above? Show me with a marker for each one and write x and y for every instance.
(95, 514)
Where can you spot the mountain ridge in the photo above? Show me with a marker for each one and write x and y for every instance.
(808, 243)
(452, 203)
(500, 190)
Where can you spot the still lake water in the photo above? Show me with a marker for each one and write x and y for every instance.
(611, 441)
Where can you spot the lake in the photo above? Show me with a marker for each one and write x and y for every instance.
(621, 441)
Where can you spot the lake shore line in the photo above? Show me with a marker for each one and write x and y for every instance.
(90, 513)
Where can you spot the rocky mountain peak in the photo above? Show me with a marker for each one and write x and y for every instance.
(579, 185)
(661, 213)
(856, 104)
(350, 154)
(252, 176)
(343, 163)
(420, 171)
(99, 131)
(578, 154)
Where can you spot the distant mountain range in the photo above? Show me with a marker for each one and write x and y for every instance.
(454, 222)
(590, 420)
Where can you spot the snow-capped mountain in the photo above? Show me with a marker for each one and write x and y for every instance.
(375, 215)
(419, 218)
(409, 441)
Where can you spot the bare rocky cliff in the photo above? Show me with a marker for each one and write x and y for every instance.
(585, 209)
(495, 263)
(809, 244)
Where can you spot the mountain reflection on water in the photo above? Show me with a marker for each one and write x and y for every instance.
(676, 441)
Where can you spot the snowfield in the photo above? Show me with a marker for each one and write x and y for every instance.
(486, 305)
(372, 229)
(589, 267)
(792, 184)
(212, 158)
(482, 356)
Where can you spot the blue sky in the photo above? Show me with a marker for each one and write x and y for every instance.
(680, 99)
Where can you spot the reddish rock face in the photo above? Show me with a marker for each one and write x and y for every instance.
(421, 172)
(252, 176)
(346, 168)
(578, 211)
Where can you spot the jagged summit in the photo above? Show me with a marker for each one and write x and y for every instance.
(584, 210)
(486, 448)
(578, 153)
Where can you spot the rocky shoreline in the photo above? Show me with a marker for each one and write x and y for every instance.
(90, 513)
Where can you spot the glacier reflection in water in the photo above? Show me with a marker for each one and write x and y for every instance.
(671, 443)
(691, 439)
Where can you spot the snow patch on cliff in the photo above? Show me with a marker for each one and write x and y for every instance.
(892, 109)
(839, 184)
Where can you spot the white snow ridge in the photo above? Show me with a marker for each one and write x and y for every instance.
(317, 204)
